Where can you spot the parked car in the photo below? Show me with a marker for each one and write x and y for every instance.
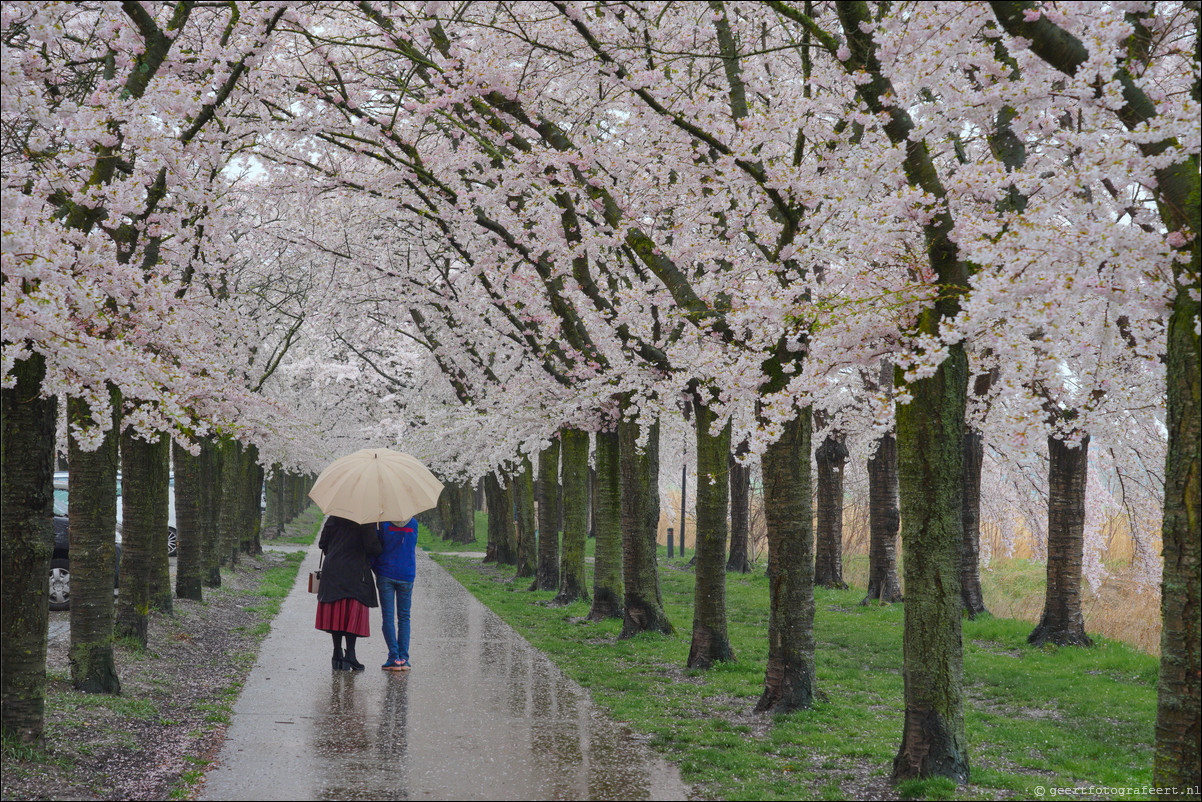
(60, 493)
(60, 560)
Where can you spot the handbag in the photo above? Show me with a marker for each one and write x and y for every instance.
(315, 576)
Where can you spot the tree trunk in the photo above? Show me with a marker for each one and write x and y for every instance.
(527, 548)
(548, 517)
(463, 528)
(502, 537)
(607, 520)
(438, 520)
(159, 575)
(883, 523)
(711, 642)
(27, 542)
(229, 515)
(1177, 762)
(1062, 622)
(138, 497)
(209, 465)
(930, 440)
(573, 581)
(187, 524)
(790, 679)
(830, 459)
(93, 527)
(970, 554)
(643, 607)
(740, 518)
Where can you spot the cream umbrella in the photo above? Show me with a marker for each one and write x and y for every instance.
(376, 484)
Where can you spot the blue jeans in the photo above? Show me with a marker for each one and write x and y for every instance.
(396, 597)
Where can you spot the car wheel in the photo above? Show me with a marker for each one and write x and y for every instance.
(172, 542)
(60, 584)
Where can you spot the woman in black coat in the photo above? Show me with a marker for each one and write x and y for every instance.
(347, 587)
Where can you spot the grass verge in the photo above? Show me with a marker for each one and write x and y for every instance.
(1036, 718)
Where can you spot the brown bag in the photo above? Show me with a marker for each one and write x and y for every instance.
(315, 576)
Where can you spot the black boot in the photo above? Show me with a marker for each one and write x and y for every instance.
(348, 660)
(338, 662)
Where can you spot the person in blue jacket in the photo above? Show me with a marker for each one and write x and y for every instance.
(395, 568)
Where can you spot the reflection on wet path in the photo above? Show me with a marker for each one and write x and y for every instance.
(483, 715)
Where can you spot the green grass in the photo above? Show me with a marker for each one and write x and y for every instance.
(1050, 717)
(432, 543)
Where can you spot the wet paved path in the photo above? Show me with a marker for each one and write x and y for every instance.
(483, 715)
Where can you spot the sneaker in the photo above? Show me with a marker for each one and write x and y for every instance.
(402, 665)
(393, 664)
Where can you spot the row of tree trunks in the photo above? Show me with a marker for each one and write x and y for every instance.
(93, 527)
(573, 581)
(607, 520)
(830, 459)
(710, 642)
(547, 574)
(26, 543)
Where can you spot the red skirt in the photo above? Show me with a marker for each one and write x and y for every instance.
(344, 615)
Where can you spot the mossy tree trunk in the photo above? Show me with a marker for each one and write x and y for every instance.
(710, 642)
(930, 441)
(884, 521)
(187, 524)
(740, 513)
(573, 580)
(229, 512)
(607, 519)
(527, 547)
(27, 542)
(93, 528)
(830, 459)
(1063, 622)
(548, 518)
(970, 554)
(643, 606)
(1178, 762)
(139, 496)
(789, 681)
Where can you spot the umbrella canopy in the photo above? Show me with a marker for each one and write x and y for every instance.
(376, 484)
